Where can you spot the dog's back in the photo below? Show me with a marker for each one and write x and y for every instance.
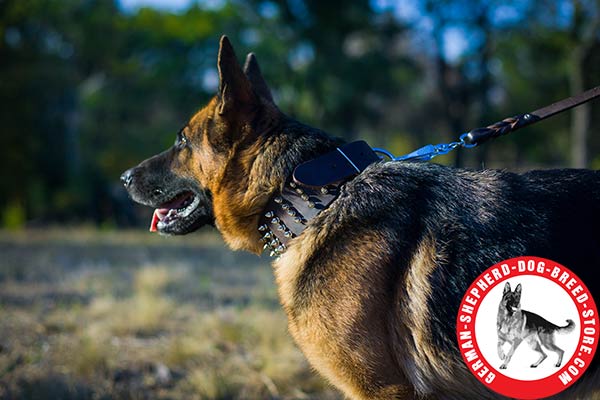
(394, 254)
(540, 325)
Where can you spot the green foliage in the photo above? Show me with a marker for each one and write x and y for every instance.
(89, 89)
(13, 216)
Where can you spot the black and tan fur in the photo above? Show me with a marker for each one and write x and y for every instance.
(515, 325)
(372, 287)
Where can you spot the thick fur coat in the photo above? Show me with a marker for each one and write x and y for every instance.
(372, 287)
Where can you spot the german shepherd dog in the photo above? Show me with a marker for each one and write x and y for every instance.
(372, 286)
(515, 325)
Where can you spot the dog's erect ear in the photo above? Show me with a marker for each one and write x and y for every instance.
(252, 71)
(234, 86)
(506, 288)
(518, 292)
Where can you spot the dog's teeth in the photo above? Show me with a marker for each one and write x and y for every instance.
(172, 212)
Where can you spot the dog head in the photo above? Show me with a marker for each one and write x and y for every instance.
(511, 300)
(203, 178)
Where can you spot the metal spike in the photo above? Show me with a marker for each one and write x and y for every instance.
(324, 190)
(311, 204)
(269, 214)
(267, 246)
(304, 197)
(274, 243)
(281, 227)
(275, 220)
(291, 213)
(268, 235)
(280, 249)
(263, 228)
(285, 206)
(278, 200)
(293, 185)
(287, 234)
(273, 254)
(298, 220)
(299, 191)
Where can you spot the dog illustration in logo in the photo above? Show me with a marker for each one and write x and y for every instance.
(515, 325)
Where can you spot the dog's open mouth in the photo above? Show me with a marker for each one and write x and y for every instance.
(173, 211)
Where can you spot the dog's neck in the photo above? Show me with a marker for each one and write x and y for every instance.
(274, 202)
(262, 168)
(310, 189)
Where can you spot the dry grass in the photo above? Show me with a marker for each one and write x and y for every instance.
(89, 315)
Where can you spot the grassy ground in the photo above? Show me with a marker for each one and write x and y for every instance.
(130, 315)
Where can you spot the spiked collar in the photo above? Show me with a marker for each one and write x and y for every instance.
(311, 188)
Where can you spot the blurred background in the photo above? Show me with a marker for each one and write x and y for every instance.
(91, 305)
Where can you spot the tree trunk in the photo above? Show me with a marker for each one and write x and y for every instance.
(584, 32)
(580, 116)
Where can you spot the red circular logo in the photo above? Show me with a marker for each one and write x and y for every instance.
(527, 328)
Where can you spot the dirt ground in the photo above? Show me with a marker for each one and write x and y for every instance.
(88, 314)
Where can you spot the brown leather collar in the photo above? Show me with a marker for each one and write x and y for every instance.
(313, 186)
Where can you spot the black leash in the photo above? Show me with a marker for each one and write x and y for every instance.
(501, 128)
(480, 135)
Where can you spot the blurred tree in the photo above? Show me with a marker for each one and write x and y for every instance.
(89, 89)
(37, 92)
(344, 63)
(584, 32)
(543, 59)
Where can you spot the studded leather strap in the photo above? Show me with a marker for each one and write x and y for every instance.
(313, 186)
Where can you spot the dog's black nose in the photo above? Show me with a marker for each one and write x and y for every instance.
(127, 177)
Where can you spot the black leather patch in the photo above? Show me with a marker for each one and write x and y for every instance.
(334, 166)
(313, 186)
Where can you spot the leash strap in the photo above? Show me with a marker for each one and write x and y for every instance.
(501, 128)
(480, 135)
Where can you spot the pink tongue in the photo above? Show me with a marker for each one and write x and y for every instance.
(154, 223)
(159, 215)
